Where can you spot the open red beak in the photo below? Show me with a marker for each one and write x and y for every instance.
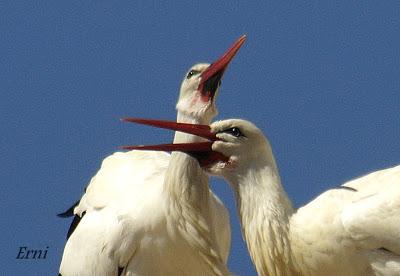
(209, 83)
(202, 151)
(211, 77)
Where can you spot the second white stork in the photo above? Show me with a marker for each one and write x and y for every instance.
(352, 229)
(147, 213)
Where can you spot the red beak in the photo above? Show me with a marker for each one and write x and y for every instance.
(202, 151)
(212, 76)
(198, 130)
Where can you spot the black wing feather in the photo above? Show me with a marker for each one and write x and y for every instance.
(69, 212)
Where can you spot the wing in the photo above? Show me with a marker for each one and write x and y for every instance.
(353, 228)
(122, 176)
(111, 213)
(373, 219)
(100, 245)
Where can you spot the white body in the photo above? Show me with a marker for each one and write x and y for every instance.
(128, 224)
(350, 230)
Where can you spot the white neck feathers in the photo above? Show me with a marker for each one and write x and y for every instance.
(188, 200)
(265, 209)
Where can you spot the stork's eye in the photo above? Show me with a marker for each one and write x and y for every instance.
(192, 73)
(234, 131)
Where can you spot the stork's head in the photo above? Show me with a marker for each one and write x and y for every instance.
(200, 87)
(243, 145)
(195, 102)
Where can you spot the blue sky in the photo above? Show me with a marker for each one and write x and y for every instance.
(320, 79)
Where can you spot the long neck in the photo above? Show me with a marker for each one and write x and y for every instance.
(264, 210)
(184, 178)
(186, 186)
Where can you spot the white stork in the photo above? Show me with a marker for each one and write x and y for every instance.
(149, 213)
(353, 229)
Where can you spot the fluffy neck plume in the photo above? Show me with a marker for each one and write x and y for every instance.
(185, 180)
(188, 199)
(264, 210)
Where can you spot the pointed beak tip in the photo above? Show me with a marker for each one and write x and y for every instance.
(127, 119)
(242, 39)
(213, 74)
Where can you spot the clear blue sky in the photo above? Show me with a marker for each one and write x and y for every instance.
(321, 79)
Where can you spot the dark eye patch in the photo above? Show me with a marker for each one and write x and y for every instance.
(192, 73)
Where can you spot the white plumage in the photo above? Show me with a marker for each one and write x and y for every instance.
(149, 213)
(353, 229)
(127, 225)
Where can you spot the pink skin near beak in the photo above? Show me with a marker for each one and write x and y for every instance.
(202, 151)
(213, 74)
